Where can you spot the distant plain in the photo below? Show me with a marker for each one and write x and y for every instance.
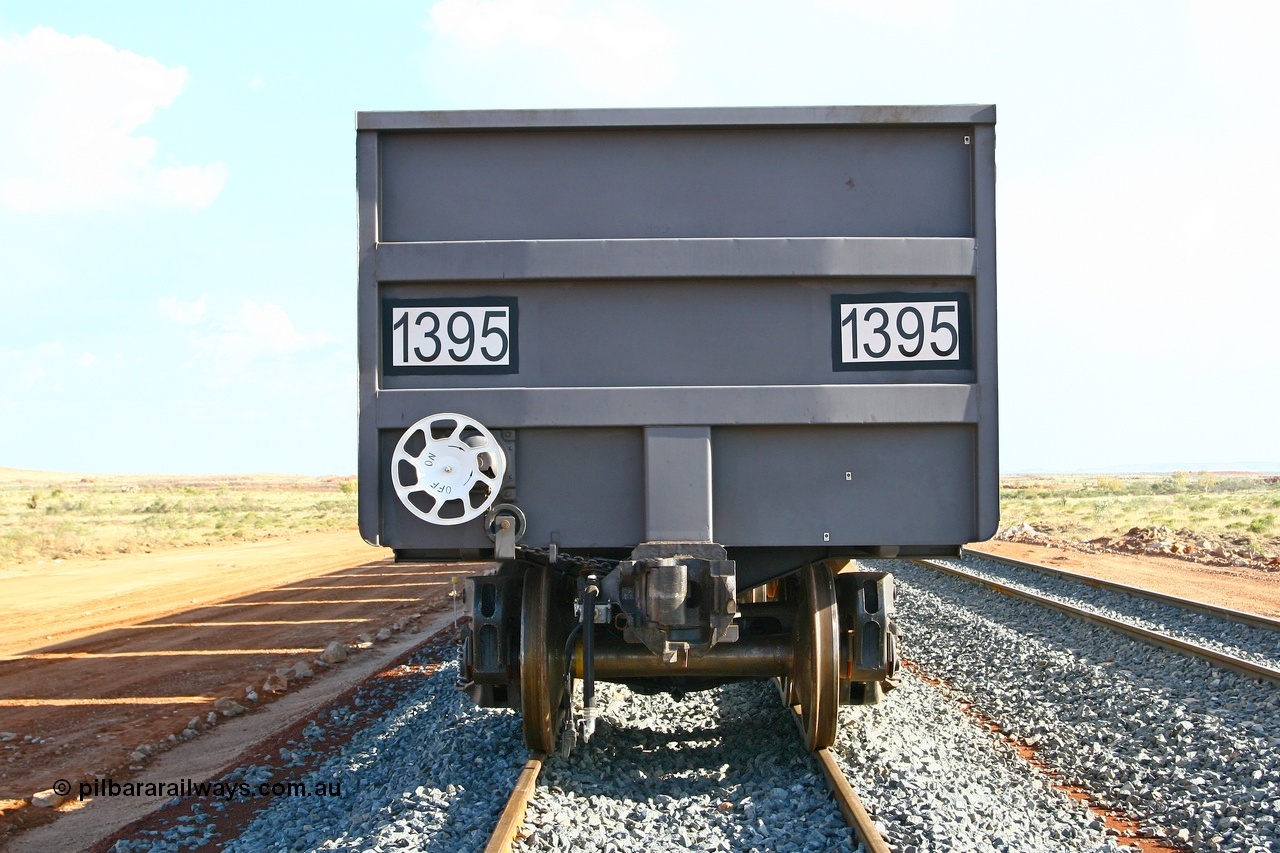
(1239, 508)
(47, 516)
(50, 516)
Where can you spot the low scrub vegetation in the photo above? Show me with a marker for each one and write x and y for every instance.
(52, 516)
(57, 516)
(1239, 508)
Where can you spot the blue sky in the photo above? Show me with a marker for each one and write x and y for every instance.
(177, 202)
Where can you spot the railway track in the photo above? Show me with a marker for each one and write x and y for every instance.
(851, 808)
(420, 764)
(1216, 611)
(513, 812)
(854, 812)
(665, 775)
(1185, 749)
(721, 771)
(1010, 808)
(1252, 664)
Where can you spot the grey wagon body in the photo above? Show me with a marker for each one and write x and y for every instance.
(676, 281)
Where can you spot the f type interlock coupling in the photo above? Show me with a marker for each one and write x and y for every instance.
(678, 599)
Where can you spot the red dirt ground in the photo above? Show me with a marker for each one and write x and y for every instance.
(1241, 588)
(98, 657)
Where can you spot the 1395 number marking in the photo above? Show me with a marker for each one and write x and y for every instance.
(450, 336)
(887, 331)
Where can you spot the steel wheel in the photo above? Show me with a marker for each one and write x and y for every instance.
(786, 691)
(815, 678)
(542, 639)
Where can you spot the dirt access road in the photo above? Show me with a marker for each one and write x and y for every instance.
(99, 657)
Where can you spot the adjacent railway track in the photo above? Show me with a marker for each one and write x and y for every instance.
(1227, 613)
(1251, 669)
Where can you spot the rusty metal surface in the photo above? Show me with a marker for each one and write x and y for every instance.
(850, 806)
(542, 640)
(855, 815)
(752, 657)
(816, 673)
(513, 814)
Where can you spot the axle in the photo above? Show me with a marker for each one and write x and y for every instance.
(749, 657)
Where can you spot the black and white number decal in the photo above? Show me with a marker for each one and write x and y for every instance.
(476, 335)
(901, 331)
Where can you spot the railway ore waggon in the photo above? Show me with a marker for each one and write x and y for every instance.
(668, 370)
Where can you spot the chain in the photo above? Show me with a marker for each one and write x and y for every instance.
(543, 555)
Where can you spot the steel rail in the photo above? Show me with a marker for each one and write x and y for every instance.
(855, 816)
(1252, 670)
(1244, 618)
(513, 813)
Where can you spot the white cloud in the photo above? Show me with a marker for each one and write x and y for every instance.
(916, 12)
(176, 310)
(30, 366)
(72, 106)
(88, 359)
(256, 333)
(619, 47)
(273, 331)
(31, 375)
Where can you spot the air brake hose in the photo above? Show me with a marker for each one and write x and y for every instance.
(570, 734)
(588, 657)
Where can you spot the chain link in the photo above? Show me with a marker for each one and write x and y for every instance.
(596, 564)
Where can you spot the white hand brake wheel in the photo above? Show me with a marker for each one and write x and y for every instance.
(447, 468)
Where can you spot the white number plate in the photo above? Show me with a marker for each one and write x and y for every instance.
(901, 331)
(470, 335)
